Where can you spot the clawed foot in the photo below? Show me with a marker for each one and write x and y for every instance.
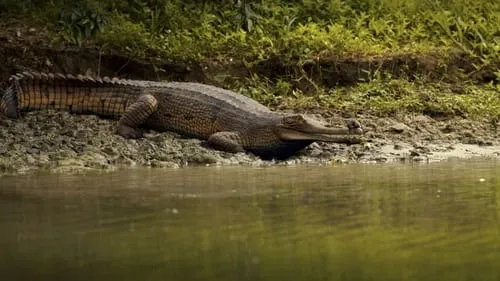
(128, 132)
(354, 127)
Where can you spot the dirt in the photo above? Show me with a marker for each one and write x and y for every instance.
(64, 143)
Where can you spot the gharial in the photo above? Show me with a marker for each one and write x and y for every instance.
(226, 120)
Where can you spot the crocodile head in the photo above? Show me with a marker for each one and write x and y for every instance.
(298, 127)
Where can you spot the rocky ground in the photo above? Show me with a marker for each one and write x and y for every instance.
(61, 142)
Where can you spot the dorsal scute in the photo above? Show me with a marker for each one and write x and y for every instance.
(27, 74)
(44, 76)
(79, 78)
(31, 75)
(60, 75)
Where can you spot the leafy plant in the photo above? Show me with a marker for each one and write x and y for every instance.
(463, 36)
(246, 14)
(80, 22)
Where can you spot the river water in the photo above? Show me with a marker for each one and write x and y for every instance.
(436, 221)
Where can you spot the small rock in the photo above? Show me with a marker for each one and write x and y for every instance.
(202, 159)
(94, 160)
(110, 151)
(81, 134)
(43, 158)
(33, 151)
(163, 164)
(398, 128)
(422, 119)
(447, 129)
(123, 161)
(30, 159)
(418, 159)
(5, 122)
(70, 162)
(470, 139)
(367, 146)
(414, 153)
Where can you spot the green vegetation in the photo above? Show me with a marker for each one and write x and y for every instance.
(462, 37)
(388, 98)
(262, 29)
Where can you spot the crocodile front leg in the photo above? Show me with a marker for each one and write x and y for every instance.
(226, 141)
(135, 115)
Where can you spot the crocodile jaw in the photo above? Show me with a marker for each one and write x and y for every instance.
(291, 135)
(312, 130)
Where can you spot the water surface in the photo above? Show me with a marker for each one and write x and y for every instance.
(354, 222)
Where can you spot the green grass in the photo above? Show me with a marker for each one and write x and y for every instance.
(301, 31)
(291, 30)
(382, 97)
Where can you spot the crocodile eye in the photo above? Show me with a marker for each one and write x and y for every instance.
(293, 120)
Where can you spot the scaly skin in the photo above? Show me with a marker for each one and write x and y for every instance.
(227, 120)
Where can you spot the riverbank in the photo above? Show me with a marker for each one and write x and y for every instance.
(421, 81)
(63, 143)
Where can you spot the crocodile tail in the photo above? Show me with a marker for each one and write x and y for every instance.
(9, 104)
(74, 93)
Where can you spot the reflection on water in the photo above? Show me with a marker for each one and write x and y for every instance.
(383, 222)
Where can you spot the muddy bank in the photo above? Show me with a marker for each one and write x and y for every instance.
(61, 142)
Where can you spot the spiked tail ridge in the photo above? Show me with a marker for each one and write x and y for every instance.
(106, 97)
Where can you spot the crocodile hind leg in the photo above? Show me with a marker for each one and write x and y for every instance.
(135, 115)
(226, 141)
